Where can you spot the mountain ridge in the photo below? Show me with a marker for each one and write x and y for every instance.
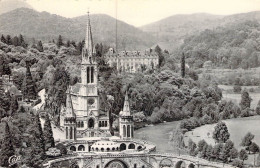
(45, 26)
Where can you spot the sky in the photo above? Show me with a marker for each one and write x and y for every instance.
(142, 12)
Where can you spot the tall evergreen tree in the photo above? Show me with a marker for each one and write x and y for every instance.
(68, 43)
(158, 50)
(39, 46)
(8, 40)
(15, 41)
(13, 106)
(48, 134)
(7, 149)
(60, 42)
(183, 65)
(3, 39)
(221, 134)
(36, 151)
(245, 100)
(21, 40)
(29, 88)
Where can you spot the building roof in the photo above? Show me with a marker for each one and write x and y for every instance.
(14, 91)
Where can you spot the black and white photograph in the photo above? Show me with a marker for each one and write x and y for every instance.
(129, 83)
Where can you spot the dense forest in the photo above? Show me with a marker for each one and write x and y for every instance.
(232, 46)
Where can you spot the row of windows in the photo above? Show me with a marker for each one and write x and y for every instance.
(128, 131)
(102, 124)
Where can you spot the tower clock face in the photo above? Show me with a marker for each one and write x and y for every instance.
(91, 101)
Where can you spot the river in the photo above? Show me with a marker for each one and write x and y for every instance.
(158, 134)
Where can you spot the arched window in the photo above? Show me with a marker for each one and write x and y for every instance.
(124, 131)
(82, 124)
(67, 134)
(131, 146)
(135, 166)
(71, 132)
(108, 149)
(81, 148)
(132, 131)
(139, 147)
(96, 149)
(122, 146)
(128, 131)
(100, 124)
(88, 75)
(113, 149)
(105, 123)
(102, 149)
(92, 74)
(73, 148)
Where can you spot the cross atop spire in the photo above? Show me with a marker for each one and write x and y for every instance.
(87, 53)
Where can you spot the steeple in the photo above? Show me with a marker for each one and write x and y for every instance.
(126, 109)
(69, 106)
(87, 53)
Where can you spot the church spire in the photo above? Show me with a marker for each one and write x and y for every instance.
(126, 109)
(87, 53)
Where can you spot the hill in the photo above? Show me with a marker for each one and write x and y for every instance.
(9, 5)
(174, 29)
(45, 26)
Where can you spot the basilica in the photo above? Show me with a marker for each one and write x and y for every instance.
(82, 117)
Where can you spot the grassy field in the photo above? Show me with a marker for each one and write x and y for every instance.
(236, 127)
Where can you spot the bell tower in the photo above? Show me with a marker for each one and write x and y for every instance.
(89, 77)
(70, 119)
(126, 123)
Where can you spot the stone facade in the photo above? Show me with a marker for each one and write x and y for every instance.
(132, 61)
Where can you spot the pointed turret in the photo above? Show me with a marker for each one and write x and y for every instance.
(69, 106)
(87, 54)
(126, 109)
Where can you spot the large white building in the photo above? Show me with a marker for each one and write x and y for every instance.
(132, 61)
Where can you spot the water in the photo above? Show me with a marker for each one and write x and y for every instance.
(158, 134)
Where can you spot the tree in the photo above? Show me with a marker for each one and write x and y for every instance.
(233, 153)
(8, 40)
(3, 39)
(257, 110)
(37, 144)
(13, 106)
(39, 46)
(254, 148)
(62, 148)
(192, 148)
(68, 43)
(158, 50)
(221, 134)
(29, 87)
(15, 41)
(60, 42)
(7, 149)
(245, 100)
(48, 134)
(229, 145)
(243, 155)
(247, 140)
(183, 65)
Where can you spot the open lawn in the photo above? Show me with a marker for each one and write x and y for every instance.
(236, 127)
